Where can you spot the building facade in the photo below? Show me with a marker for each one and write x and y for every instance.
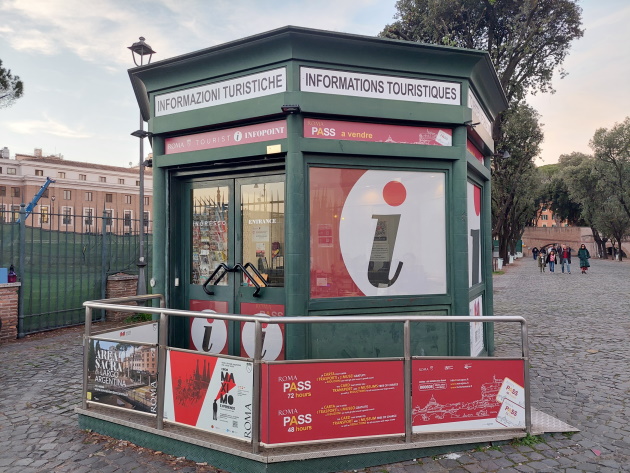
(81, 192)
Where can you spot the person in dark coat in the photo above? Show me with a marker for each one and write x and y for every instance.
(584, 256)
(535, 252)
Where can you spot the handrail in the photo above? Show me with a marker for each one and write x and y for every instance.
(238, 266)
(260, 319)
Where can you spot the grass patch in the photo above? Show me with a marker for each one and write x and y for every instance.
(135, 318)
(527, 441)
(498, 272)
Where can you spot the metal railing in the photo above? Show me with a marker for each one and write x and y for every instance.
(259, 320)
(63, 259)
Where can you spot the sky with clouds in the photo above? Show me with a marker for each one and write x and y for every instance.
(72, 56)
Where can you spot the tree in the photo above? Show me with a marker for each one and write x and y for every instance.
(612, 152)
(516, 181)
(556, 196)
(527, 40)
(579, 172)
(11, 87)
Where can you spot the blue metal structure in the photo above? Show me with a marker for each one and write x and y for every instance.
(33, 203)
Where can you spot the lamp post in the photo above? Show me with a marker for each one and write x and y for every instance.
(141, 49)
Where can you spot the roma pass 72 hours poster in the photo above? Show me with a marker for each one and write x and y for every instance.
(209, 393)
(123, 374)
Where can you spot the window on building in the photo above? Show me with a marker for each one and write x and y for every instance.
(67, 194)
(108, 217)
(544, 217)
(61, 175)
(88, 215)
(88, 196)
(0, 170)
(109, 197)
(3, 213)
(102, 179)
(3, 191)
(66, 215)
(82, 177)
(39, 172)
(15, 192)
(121, 181)
(146, 201)
(15, 213)
(127, 199)
(44, 214)
(12, 171)
(127, 218)
(146, 219)
(138, 183)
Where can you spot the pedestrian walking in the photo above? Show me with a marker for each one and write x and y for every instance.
(535, 252)
(542, 261)
(565, 258)
(552, 259)
(584, 256)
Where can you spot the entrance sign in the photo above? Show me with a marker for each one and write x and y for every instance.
(219, 93)
(122, 374)
(232, 136)
(326, 81)
(209, 393)
(376, 133)
(324, 401)
(147, 333)
(388, 233)
(451, 395)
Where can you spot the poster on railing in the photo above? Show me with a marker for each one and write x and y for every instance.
(322, 401)
(146, 333)
(122, 374)
(459, 395)
(209, 393)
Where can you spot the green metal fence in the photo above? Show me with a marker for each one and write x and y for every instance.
(63, 260)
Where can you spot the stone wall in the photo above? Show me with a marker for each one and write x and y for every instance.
(9, 310)
(120, 285)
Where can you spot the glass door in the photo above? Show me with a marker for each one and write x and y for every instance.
(235, 261)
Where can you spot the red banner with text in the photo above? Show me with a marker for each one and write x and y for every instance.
(458, 395)
(324, 401)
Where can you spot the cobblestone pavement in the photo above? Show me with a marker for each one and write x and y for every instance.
(579, 327)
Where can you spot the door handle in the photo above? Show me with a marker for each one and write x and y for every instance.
(222, 269)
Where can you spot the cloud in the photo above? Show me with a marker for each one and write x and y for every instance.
(47, 126)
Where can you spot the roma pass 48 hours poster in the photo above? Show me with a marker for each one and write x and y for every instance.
(123, 374)
(324, 401)
(459, 395)
(209, 393)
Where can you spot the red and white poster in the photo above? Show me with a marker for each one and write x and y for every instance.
(272, 334)
(475, 308)
(209, 393)
(207, 334)
(385, 233)
(472, 149)
(474, 234)
(376, 133)
(233, 136)
(459, 395)
(324, 401)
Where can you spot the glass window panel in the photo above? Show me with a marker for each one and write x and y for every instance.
(209, 232)
(262, 207)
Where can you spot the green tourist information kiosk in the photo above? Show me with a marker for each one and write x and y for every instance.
(304, 172)
(339, 184)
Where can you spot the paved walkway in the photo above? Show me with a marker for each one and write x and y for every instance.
(580, 371)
